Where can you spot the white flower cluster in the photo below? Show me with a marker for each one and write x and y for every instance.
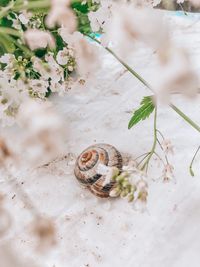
(130, 182)
(35, 80)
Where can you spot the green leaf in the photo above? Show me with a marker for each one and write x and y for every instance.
(4, 2)
(143, 112)
(6, 45)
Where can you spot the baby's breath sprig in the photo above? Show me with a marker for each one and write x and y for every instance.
(123, 186)
(130, 183)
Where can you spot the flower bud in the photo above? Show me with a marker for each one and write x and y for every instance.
(130, 198)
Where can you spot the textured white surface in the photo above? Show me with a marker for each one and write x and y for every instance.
(93, 232)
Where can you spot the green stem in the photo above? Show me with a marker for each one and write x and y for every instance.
(185, 117)
(166, 158)
(176, 109)
(147, 154)
(135, 159)
(10, 31)
(191, 164)
(26, 51)
(161, 134)
(33, 5)
(123, 63)
(146, 163)
(159, 158)
(5, 10)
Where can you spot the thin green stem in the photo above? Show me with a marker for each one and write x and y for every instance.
(191, 164)
(176, 109)
(185, 117)
(123, 63)
(10, 31)
(33, 5)
(146, 163)
(158, 141)
(147, 154)
(141, 156)
(26, 51)
(159, 158)
(160, 134)
(5, 10)
(185, 13)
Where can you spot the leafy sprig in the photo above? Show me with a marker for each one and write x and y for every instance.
(143, 112)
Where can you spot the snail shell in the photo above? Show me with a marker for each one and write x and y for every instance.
(86, 167)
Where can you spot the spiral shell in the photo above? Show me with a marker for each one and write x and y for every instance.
(86, 167)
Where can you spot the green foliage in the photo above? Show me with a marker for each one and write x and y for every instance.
(81, 12)
(143, 112)
(6, 44)
(4, 2)
(80, 7)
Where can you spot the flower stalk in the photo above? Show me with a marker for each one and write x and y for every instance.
(146, 163)
(191, 164)
(134, 73)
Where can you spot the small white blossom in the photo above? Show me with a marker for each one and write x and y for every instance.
(141, 195)
(167, 146)
(114, 193)
(24, 20)
(7, 58)
(62, 15)
(39, 86)
(168, 173)
(39, 39)
(43, 138)
(63, 56)
(86, 54)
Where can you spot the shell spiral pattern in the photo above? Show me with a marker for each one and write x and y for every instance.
(86, 167)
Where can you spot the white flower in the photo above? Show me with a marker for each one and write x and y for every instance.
(100, 18)
(39, 86)
(167, 146)
(39, 39)
(141, 195)
(60, 88)
(7, 58)
(49, 69)
(70, 68)
(135, 25)
(168, 173)
(61, 14)
(24, 20)
(43, 139)
(63, 56)
(131, 167)
(86, 54)
(140, 204)
(114, 193)
(176, 74)
(41, 67)
(142, 185)
(57, 72)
